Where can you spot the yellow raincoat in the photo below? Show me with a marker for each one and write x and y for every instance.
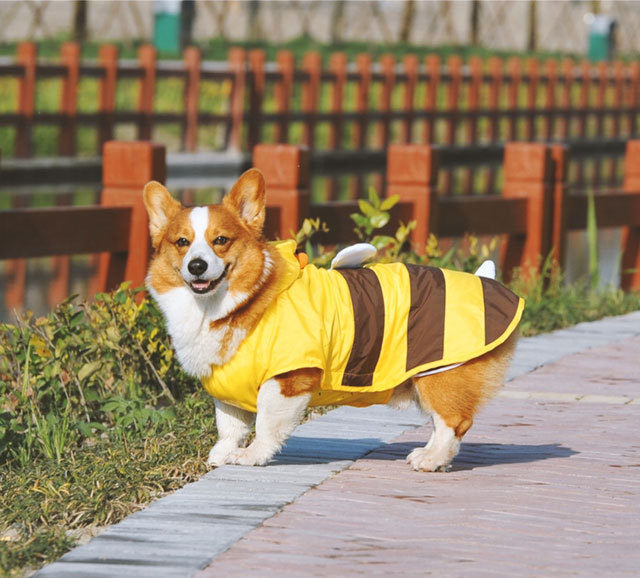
(369, 330)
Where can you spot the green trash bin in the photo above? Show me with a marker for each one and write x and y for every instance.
(602, 37)
(166, 26)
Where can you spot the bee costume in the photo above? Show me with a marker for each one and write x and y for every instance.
(369, 329)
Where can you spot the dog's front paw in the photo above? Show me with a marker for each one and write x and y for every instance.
(426, 460)
(220, 454)
(253, 455)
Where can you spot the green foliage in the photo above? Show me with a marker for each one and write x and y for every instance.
(67, 377)
(45, 504)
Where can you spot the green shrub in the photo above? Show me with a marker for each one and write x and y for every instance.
(83, 369)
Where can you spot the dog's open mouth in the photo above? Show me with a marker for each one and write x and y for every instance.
(201, 286)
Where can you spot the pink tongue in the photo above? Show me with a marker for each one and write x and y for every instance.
(200, 284)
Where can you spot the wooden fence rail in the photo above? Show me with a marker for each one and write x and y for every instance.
(338, 106)
(533, 213)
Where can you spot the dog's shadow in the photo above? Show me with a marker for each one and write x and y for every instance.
(471, 456)
(481, 455)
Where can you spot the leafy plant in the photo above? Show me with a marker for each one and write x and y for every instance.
(83, 368)
(374, 215)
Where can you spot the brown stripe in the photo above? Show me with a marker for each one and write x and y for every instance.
(425, 330)
(368, 318)
(500, 306)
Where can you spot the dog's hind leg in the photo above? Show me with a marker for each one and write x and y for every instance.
(452, 398)
(278, 415)
(233, 425)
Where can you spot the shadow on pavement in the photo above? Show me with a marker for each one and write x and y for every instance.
(479, 455)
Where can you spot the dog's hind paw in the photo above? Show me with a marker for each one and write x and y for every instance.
(426, 460)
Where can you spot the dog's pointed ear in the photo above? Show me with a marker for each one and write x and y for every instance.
(161, 207)
(247, 199)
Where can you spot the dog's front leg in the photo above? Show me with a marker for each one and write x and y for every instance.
(278, 415)
(233, 426)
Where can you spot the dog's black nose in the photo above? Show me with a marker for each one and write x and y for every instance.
(197, 267)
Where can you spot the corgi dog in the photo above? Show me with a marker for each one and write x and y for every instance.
(269, 335)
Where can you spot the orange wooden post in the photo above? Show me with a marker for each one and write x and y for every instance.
(618, 103)
(567, 76)
(361, 108)
(256, 96)
(338, 66)
(388, 68)
(550, 99)
(15, 271)
(237, 67)
(454, 65)
(126, 168)
(410, 65)
(70, 57)
(26, 57)
(527, 174)
(560, 178)
(600, 126)
(363, 66)
(533, 69)
(108, 57)
(147, 61)
(432, 63)
(473, 104)
(495, 71)
(312, 65)
(514, 70)
(192, 62)
(632, 96)
(283, 93)
(58, 287)
(630, 279)
(583, 105)
(286, 172)
(412, 173)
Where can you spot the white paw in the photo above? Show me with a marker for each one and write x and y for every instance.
(252, 455)
(428, 460)
(220, 453)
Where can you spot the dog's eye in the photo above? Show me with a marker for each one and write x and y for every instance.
(220, 240)
(182, 242)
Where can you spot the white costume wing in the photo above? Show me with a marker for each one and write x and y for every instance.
(352, 257)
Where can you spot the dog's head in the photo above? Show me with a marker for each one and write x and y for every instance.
(211, 249)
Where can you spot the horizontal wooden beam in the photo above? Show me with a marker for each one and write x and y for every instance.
(613, 209)
(481, 215)
(63, 231)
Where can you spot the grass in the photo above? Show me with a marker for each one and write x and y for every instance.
(44, 503)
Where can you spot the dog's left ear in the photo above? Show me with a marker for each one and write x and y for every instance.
(247, 199)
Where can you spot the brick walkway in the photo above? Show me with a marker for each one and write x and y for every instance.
(547, 484)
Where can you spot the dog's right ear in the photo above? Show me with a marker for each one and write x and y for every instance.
(161, 207)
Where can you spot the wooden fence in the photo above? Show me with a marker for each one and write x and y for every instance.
(338, 105)
(534, 212)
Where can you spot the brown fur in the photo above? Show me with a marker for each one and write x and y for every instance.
(457, 394)
(299, 381)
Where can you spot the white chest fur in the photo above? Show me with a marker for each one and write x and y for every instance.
(188, 322)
